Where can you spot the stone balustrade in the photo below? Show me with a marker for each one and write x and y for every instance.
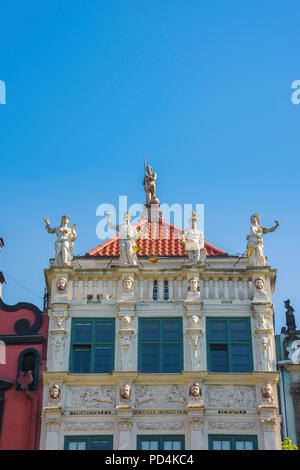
(168, 288)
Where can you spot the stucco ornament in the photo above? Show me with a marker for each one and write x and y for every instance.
(193, 241)
(128, 236)
(65, 240)
(259, 290)
(267, 393)
(255, 252)
(294, 351)
(61, 284)
(127, 287)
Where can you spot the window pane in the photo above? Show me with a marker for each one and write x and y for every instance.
(249, 445)
(76, 445)
(218, 358)
(225, 445)
(217, 330)
(171, 330)
(103, 444)
(149, 445)
(155, 290)
(239, 330)
(240, 358)
(171, 358)
(104, 332)
(239, 445)
(153, 445)
(176, 445)
(217, 445)
(150, 358)
(82, 332)
(103, 359)
(150, 331)
(81, 360)
(166, 290)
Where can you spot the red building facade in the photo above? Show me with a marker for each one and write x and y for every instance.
(23, 346)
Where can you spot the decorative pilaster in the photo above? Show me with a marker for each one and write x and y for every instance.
(52, 419)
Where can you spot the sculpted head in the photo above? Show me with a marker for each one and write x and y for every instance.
(125, 392)
(54, 391)
(127, 217)
(127, 283)
(65, 219)
(149, 169)
(255, 219)
(61, 284)
(267, 392)
(259, 283)
(195, 390)
(193, 284)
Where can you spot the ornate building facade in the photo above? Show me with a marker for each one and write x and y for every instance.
(159, 340)
(288, 357)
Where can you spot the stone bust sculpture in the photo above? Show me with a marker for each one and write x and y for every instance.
(125, 392)
(61, 284)
(259, 289)
(54, 393)
(195, 390)
(128, 284)
(267, 393)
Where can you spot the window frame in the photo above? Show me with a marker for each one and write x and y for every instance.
(160, 344)
(161, 438)
(233, 438)
(87, 439)
(92, 343)
(229, 343)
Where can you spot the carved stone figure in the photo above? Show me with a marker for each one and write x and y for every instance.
(195, 390)
(125, 392)
(193, 288)
(255, 252)
(127, 285)
(61, 284)
(128, 236)
(65, 241)
(294, 351)
(267, 393)
(126, 321)
(149, 183)
(290, 317)
(54, 393)
(194, 242)
(259, 290)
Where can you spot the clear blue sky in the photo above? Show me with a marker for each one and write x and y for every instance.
(203, 88)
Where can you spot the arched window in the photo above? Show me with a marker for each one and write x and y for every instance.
(29, 359)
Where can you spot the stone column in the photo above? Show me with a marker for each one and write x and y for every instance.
(295, 393)
(52, 428)
(270, 424)
(196, 423)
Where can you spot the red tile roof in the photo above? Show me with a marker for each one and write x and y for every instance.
(165, 241)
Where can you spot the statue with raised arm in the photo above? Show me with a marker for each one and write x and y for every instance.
(149, 183)
(65, 241)
(128, 236)
(255, 252)
(193, 241)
